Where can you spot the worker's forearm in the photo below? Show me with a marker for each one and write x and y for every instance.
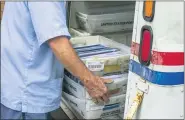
(65, 53)
(63, 50)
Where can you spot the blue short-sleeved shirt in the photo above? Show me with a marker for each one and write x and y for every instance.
(31, 76)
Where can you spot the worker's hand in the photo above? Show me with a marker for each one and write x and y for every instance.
(96, 88)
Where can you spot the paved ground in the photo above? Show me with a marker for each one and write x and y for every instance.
(59, 115)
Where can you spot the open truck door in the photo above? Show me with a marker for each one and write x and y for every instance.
(155, 87)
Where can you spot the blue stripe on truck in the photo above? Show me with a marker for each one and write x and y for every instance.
(156, 77)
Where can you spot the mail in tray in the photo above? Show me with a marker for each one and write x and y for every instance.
(102, 60)
(90, 110)
(75, 86)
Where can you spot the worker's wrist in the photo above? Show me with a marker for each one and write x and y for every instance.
(87, 76)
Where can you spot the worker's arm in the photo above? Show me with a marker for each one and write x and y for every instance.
(63, 50)
(49, 22)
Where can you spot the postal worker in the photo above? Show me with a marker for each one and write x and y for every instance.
(35, 49)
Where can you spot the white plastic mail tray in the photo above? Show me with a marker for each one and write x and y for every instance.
(103, 23)
(108, 7)
(89, 110)
(123, 37)
(107, 63)
(117, 87)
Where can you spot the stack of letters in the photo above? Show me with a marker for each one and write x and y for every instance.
(106, 62)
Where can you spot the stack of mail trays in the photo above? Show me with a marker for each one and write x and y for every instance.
(106, 62)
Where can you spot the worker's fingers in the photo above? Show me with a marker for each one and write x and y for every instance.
(99, 96)
(105, 98)
(107, 95)
(100, 100)
(97, 89)
(101, 85)
(107, 81)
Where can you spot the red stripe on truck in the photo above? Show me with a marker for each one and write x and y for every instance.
(161, 58)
